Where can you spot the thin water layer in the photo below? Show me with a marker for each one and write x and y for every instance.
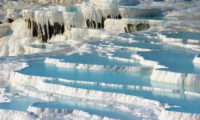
(176, 59)
(139, 45)
(186, 102)
(91, 109)
(18, 102)
(123, 53)
(22, 103)
(39, 68)
(120, 84)
(182, 35)
(93, 59)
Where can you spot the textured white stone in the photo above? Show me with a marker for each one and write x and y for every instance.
(175, 78)
(115, 26)
(196, 59)
(40, 113)
(4, 29)
(114, 3)
(171, 115)
(59, 63)
(73, 19)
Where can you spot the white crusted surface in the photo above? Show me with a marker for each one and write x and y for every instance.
(59, 63)
(196, 60)
(175, 78)
(39, 113)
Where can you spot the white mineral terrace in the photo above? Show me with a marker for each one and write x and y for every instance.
(196, 60)
(39, 113)
(59, 63)
(45, 23)
(39, 83)
(175, 78)
(99, 59)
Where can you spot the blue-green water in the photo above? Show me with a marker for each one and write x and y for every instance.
(176, 59)
(187, 103)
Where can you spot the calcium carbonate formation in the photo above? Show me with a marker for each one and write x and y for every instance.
(197, 60)
(47, 22)
(96, 58)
